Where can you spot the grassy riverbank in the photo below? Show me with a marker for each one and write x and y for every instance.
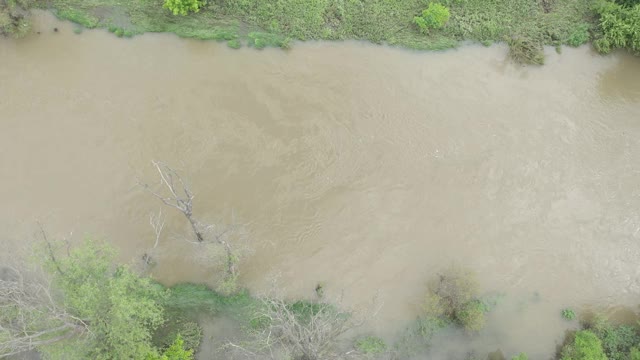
(276, 23)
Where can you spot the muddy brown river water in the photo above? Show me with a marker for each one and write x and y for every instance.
(363, 167)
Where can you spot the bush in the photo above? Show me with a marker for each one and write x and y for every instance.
(471, 316)
(617, 340)
(568, 314)
(619, 26)
(183, 7)
(453, 298)
(371, 345)
(521, 356)
(433, 17)
(584, 346)
(579, 35)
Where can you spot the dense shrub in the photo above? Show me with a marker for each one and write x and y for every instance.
(579, 35)
(619, 27)
(433, 17)
(617, 340)
(183, 7)
(584, 346)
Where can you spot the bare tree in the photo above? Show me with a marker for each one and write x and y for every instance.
(157, 222)
(180, 197)
(301, 330)
(29, 316)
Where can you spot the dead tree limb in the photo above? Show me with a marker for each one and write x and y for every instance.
(50, 249)
(30, 318)
(180, 196)
(157, 223)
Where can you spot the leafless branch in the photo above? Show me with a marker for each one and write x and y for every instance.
(50, 249)
(30, 317)
(173, 191)
(304, 330)
(180, 196)
(157, 223)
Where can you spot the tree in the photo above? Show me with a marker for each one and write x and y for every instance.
(585, 346)
(30, 317)
(120, 309)
(183, 7)
(298, 330)
(179, 196)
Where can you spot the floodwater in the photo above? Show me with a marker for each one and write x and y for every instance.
(363, 167)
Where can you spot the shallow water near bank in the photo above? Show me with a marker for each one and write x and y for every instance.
(363, 167)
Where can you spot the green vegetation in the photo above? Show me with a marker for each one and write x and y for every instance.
(122, 309)
(416, 24)
(521, 356)
(182, 7)
(619, 26)
(453, 298)
(433, 17)
(177, 351)
(14, 18)
(525, 25)
(568, 314)
(101, 310)
(371, 346)
(585, 345)
(617, 340)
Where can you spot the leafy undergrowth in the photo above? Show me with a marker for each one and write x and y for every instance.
(262, 23)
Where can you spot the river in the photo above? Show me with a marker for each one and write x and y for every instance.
(363, 167)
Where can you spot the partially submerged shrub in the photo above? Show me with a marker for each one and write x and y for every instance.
(302, 329)
(453, 297)
(471, 316)
(183, 7)
(526, 51)
(568, 314)
(433, 17)
(584, 346)
(189, 332)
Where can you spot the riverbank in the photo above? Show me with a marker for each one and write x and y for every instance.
(276, 23)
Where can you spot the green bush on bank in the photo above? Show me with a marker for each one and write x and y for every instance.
(433, 17)
(619, 26)
(183, 7)
(585, 345)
